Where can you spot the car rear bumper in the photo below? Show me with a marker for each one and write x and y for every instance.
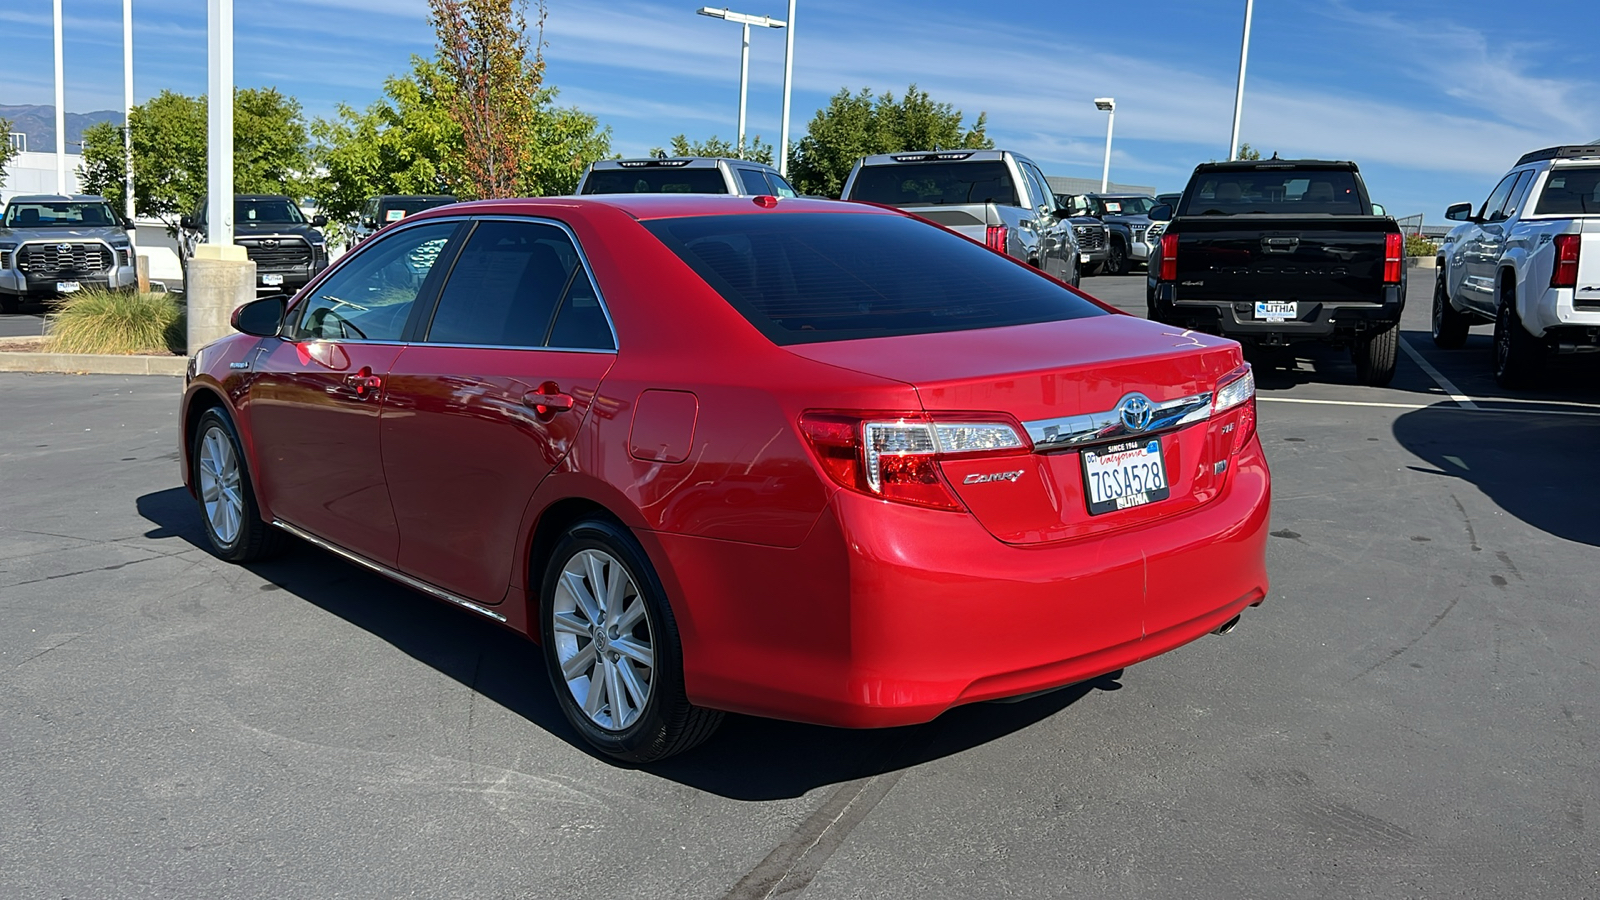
(1560, 315)
(890, 614)
(1317, 320)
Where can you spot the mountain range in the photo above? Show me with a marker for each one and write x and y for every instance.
(39, 124)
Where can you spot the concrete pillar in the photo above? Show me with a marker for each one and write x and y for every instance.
(220, 279)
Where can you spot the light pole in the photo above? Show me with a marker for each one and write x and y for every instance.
(61, 112)
(744, 53)
(788, 79)
(219, 124)
(127, 104)
(1107, 105)
(1238, 96)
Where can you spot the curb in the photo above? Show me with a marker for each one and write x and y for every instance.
(93, 364)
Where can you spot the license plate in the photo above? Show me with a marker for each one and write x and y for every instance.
(1119, 476)
(67, 287)
(1083, 257)
(1278, 310)
(272, 280)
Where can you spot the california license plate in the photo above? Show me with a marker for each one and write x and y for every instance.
(1119, 476)
(272, 280)
(1278, 310)
(67, 287)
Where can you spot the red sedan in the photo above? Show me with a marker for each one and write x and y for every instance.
(801, 459)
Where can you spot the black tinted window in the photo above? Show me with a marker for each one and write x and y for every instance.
(653, 180)
(1570, 192)
(1274, 192)
(581, 323)
(504, 288)
(275, 210)
(910, 184)
(806, 277)
(753, 181)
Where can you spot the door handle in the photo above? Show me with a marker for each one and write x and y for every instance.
(548, 400)
(364, 383)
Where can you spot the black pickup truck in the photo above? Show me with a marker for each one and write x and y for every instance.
(1279, 251)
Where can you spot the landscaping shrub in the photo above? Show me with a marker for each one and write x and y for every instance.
(98, 321)
(1417, 245)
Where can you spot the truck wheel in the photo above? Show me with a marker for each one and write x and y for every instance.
(1116, 259)
(1449, 324)
(1077, 274)
(10, 304)
(1518, 355)
(1375, 355)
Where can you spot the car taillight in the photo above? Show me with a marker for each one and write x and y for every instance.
(1169, 257)
(1393, 257)
(897, 458)
(1565, 274)
(994, 237)
(1238, 392)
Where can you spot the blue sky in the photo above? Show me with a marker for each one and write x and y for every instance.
(1433, 99)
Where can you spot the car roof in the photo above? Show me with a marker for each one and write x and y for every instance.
(1564, 152)
(653, 206)
(1246, 165)
(57, 198)
(678, 162)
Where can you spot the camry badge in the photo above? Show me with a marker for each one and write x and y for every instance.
(1136, 411)
(975, 478)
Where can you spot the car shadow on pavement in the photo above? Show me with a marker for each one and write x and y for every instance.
(749, 758)
(1534, 466)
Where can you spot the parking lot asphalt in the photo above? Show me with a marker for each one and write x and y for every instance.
(28, 323)
(1412, 713)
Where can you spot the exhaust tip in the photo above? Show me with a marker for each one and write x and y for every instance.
(1227, 626)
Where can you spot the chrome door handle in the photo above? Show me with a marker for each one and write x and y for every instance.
(364, 383)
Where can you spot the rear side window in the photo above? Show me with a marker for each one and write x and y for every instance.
(753, 181)
(935, 183)
(1570, 192)
(1274, 192)
(507, 286)
(655, 181)
(810, 277)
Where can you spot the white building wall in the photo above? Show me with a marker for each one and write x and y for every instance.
(35, 173)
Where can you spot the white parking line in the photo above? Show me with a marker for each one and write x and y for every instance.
(1466, 407)
(1461, 399)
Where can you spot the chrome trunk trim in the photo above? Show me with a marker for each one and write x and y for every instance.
(1073, 431)
(387, 572)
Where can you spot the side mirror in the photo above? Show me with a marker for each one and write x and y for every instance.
(1378, 210)
(1161, 212)
(187, 223)
(1459, 212)
(261, 318)
(1062, 213)
(319, 221)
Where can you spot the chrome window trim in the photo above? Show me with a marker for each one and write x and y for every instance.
(588, 271)
(305, 295)
(540, 349)
(1074, 431)
(387, 572)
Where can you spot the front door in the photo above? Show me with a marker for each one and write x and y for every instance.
(315, 398)
(489, 400)
(1481, 248)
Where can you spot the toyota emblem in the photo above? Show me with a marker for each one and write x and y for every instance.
(269, 242)
(1136, 411)
(63, 248)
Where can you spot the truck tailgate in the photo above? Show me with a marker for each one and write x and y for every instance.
(1326, 259)
(971, 220)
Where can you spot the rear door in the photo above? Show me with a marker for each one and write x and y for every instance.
(489, 400)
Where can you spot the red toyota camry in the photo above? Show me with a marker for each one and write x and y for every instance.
(801, 459)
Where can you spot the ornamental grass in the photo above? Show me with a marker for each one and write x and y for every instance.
(113, 322)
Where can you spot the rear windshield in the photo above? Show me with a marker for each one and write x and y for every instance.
(396, 208)
(1571, 192)
(655, 181)
(812, 277)
(1274, 192)
(935, 183)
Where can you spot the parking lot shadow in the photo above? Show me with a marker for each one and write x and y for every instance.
(1535, 466)
(749, 758)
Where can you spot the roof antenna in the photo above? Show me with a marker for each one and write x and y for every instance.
(1274, 154)
(661, 154)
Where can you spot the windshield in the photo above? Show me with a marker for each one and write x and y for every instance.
(1126, 206)
(1296, 191)
(935, 184)
(266, 211)
(1571, 192)
(396, 208)
(655, 180)
(64, 214)
(811, 277)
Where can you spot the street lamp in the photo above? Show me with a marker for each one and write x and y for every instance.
(1238, 95)
(744, 53)
(1107, 105)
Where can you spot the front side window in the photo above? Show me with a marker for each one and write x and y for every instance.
(1570, 191)
(1513, 199)
(780, 188)
(519, 284)
(1497, 197)
(369, 298)
(810, 277)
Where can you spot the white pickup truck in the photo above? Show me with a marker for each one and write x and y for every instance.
(1527, 260)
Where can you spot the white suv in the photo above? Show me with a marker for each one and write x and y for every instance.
(1529, 261)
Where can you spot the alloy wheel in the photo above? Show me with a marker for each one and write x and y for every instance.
(603, 637)
(221, 485)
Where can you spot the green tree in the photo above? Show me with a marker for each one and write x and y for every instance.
(756, 150)
(6, 150)
(855, 125)
(1248, 152)
(270, 151)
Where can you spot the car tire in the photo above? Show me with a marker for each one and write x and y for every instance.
(1116, 259)
(1077, 274)
(1450, 325)
(1518, 355)
(10, 304)
(1375, 355)
(228, 509)
(638, 711)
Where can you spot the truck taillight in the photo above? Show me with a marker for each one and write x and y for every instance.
(994, 237)
(1565, 274)
(1169, 257)
(898, 458)
(1393, 257)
